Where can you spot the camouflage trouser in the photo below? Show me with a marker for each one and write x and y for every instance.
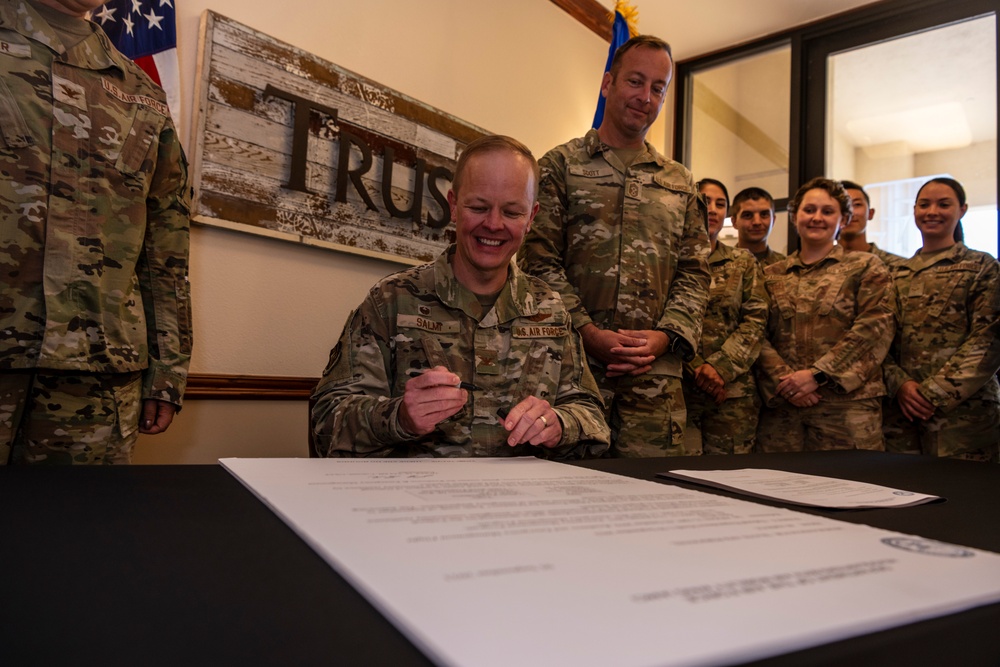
(730, 428)
(646, 414)
(827, 425)
(64, 418)
(970, 431)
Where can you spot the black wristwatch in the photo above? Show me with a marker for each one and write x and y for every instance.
(679, 346)
(820, 377)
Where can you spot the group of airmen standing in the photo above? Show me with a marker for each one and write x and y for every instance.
(857, 347)
(624, 328)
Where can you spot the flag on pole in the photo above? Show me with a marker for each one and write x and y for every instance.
(146, 32)
(621, 31)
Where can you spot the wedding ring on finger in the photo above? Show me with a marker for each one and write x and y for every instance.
(543, 420)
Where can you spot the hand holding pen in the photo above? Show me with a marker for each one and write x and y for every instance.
(430, 397)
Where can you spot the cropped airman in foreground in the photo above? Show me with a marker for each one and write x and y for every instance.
(831, 321)
(94, 203)
(752, 213)
(719, 390)
(941, 371)
(466, 356)
(853, 235)
(621, 236)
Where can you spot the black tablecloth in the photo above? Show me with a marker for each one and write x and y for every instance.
(181, 565)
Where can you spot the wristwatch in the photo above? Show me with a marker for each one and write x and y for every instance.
(679, 346)
(820, 377)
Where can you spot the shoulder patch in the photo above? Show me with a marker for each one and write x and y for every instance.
(129, 98)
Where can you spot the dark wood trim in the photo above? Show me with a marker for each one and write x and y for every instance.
(590, 13)
(249, 387)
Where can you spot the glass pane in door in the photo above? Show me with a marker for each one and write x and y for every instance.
(905, 110)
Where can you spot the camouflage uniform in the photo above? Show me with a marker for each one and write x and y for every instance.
(948, 341)
(769, 257)
(422, 318)
(93, 231)
(837, 316)
(730, 342)
(888, 258)
(626, 249)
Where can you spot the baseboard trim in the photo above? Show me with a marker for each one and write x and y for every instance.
(249, 387)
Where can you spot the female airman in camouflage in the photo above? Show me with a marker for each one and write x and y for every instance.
(942, 369)
(830, 324)
(719, 389)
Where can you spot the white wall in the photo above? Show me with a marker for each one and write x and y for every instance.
(267, 307)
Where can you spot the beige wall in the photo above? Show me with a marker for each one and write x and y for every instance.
(267, 307)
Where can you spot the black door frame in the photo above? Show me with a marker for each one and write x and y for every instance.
(811, 46)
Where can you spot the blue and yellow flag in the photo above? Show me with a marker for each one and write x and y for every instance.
(621, 31)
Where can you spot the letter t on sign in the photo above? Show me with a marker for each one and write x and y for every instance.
(300, 133)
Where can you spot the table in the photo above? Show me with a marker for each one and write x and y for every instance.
(181, 565)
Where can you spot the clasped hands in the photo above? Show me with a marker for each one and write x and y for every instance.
(799, 388)
(433, 396)
(626, 351)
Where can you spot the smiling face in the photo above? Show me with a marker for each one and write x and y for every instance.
(937, 212)
(860, 214)
(634, 95)
(492, 212)
(818, 218)
(753, 221)
(718, 206)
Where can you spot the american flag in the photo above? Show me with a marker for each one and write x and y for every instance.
(146, 32)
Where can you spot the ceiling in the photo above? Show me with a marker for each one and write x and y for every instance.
(900, 92)
(696, 28)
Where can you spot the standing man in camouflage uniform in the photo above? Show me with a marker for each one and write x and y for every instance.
(621, 235)
(941, 370)
(719, 390)
(467, 356)
(852, 234)
(96, 333)
(753, 217)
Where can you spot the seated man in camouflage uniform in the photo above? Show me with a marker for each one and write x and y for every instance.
(466, 356)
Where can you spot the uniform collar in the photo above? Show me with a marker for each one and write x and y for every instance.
(721, 253)
(515, 298)
(593, 145)
(94, 52)
(835, 255)
(953, 255)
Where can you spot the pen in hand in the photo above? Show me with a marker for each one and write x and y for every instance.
(468, 386)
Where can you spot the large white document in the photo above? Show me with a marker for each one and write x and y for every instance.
(500, 562)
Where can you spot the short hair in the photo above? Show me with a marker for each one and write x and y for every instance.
(959, 234)
(718, 184)
(747, 194)
(851, 185)
(833, 188)
(487, 144)
(644, 41)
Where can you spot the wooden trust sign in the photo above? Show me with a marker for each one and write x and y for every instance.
(294, 147)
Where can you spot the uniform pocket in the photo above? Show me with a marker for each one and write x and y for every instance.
(128, 400)
(136, 156)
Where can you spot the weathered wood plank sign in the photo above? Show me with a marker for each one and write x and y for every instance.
(295, 147)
